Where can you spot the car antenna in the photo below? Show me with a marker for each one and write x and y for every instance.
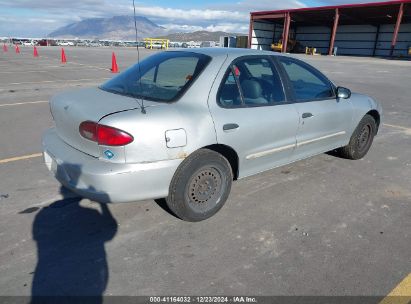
(143, 109)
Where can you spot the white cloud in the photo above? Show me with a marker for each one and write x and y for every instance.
(182, 27)
(190, 14)
(228, 27)
(259, 5)
(225, 27)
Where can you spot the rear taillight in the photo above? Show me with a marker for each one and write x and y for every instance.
(109, 136)
(104, 135)
(88, 130)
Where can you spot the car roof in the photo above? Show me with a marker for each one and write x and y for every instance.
(220, 51)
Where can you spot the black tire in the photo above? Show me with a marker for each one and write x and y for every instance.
(200, 186)
(361, 140)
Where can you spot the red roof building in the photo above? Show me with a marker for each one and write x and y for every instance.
(368, 29)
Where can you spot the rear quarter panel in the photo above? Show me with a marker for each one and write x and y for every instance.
(149, 130)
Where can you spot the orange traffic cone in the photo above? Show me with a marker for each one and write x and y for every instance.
(17, 49)
(35, 53)
(63, 56)
(4, 47)
(114, 67)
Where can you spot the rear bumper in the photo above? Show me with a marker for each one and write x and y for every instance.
(103, 181)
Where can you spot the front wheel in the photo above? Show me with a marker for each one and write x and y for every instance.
(200, 186)
(361, 140)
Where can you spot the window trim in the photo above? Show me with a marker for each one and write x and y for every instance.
(310, 68)
(229, 70)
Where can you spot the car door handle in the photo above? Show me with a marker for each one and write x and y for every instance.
(307, 115)
(230, 127)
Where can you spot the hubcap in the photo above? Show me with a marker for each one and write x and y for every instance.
(205, 189)
(364, 137)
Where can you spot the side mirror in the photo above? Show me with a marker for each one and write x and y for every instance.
(343, 93)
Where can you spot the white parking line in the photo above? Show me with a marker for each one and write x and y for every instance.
(14, 72)
(22, 103)
(54, 81)
(32, 66)
(13, 159)
(66, 67)
(398, 127)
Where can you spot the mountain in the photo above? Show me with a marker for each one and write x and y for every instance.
(197, 36)
(122, 28)
(114, 28)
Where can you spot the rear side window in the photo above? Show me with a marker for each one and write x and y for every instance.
(251, 82)
(307, 83)
(229, 96)
(164, 76)
(172, 73)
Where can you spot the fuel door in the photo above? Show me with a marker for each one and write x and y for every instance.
(176, 138)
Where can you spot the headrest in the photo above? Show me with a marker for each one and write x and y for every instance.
(251, 89)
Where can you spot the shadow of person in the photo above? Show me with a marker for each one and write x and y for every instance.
(71, 254)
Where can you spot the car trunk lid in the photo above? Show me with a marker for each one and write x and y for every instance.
(70, 109)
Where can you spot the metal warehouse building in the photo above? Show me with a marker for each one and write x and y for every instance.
(370, 29)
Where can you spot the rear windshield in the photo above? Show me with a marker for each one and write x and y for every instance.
(164, 76)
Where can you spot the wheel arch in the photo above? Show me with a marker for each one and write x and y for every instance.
(230, 154)
(377, 118)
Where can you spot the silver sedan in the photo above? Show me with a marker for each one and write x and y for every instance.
(182, 125)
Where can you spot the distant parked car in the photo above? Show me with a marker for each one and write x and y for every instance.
(42, 42)
(207, 44)
(173, 45)
(95, 44)
(28, 43)
(66, 43)
(45, 42)
(194, 44)
(81, 43)
(154, 45)
(196, 120)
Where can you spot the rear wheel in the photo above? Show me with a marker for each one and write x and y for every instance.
(200, 186)
(361, 140)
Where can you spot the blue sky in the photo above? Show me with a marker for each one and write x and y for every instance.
(28, 18)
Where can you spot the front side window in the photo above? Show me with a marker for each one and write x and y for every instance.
(306, 83)
(164, 76)
(251, 82)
